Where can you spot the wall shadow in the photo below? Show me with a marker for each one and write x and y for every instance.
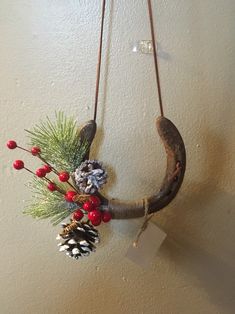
(201, 228)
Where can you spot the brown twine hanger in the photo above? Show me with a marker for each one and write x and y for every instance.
(100, 58)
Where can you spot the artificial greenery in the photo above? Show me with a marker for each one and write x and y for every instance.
(61, 147)
(60, 142)
(46, 204)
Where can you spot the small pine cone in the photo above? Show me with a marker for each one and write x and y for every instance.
(90, 176)
(79, 239)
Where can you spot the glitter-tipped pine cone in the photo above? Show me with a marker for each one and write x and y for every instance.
(78, 239)
(90, 176)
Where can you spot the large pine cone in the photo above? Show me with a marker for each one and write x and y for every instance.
(79, 239)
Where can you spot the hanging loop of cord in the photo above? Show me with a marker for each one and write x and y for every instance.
(155, 57)
(99, 60)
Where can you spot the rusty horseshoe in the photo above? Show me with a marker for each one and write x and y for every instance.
(176, 164)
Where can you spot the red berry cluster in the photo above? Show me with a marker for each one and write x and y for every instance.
(91, 208)
(95, 215)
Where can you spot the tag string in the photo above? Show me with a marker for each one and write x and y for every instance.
(144, 226)
(97, 85)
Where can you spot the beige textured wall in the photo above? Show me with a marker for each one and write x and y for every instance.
(47, 61)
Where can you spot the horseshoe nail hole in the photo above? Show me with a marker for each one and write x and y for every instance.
(169, 193)
(176, 178)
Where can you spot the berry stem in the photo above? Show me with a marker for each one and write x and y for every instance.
(40, 157)
(73, 187)
(26, 150)
(74, 184)
(27, 169)
(45, 179)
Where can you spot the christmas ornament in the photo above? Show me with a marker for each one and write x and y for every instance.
(57, 193)
(68, 184)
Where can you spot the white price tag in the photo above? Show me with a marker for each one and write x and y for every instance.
(149, 242)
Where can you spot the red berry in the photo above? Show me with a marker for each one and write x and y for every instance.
(95, 200)
(47, 168)
(64, 176)
(11, 144)
(78, 215)
(40, 172)
(35, 150)
(94, 215)
(96, 222)
(70, 195)
(52, 187)
(18, 164)
(88, 206)
(106, 216)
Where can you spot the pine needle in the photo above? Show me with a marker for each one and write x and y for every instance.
(60, 142)
(46, 204)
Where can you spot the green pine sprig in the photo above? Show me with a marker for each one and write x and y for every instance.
(47, 204)
(61, 146)
(60, 142)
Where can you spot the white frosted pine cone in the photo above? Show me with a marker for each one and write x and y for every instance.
(78, 239)
(90, 176)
